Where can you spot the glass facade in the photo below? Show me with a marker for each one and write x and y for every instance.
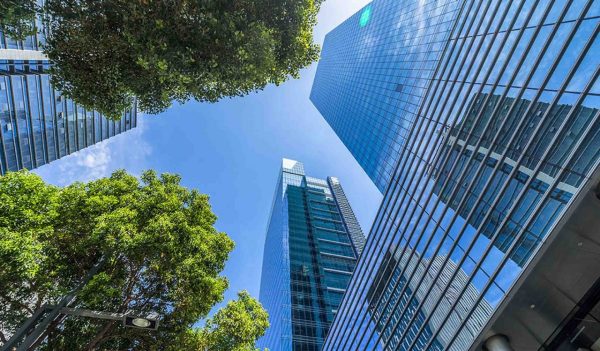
(505, 134)
(32, 42)
(311, 247)
(382, 298)
(38, 125)
(372, 75)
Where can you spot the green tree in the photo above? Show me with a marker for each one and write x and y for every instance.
(17, 18)
(163, 255)
(233, 328)
(106, 52)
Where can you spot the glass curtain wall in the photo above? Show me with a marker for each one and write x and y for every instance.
(506, 135)
(372, 75)
(38, 125)
(309, 256)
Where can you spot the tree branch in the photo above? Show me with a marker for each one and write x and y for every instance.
(16, 303)
(100, 335)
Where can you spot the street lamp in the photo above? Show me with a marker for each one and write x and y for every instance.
(34, 329)
(149, 322)
(140, 322)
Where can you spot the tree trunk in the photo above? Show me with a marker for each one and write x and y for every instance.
(100, 335)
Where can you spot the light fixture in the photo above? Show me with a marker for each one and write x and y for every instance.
(140, 322)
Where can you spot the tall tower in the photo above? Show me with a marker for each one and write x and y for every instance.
(37, 123)
(481, 121)
(372, 75)
(312, 244)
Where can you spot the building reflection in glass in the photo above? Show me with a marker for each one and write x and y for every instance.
(500, 142)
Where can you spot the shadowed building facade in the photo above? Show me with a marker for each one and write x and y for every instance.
(312, 244)
(486, 234)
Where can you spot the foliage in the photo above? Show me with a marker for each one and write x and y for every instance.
(164, 255)
(233, 328)
(27, 275)
(106, 52)
(17, 18)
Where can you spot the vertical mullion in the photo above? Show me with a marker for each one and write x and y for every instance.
(15, 127)
(401, 161)
(416, 125)
(535, 212)
(519, 197)
(3, 156)
(29, 121)
(77, 125)
(54, 115)
(446, 158)
(44, 130)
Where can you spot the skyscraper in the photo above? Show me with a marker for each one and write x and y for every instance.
(37, 124)
(485, 234)
(311, 247)
(391, 298)
(372, 74)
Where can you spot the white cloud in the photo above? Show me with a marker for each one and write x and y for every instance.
(95, 160)
(128, 150)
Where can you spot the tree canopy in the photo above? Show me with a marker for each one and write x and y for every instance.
(108, 52)
(17, 18)
(163, 255)
(234, 328)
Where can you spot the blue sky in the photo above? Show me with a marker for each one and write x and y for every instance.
(232, 150)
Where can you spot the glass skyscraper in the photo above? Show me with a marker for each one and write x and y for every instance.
(495, 158)
(37, 124)
(372, 75)
(312, 244)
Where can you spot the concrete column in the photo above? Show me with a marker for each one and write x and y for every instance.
(498, 343)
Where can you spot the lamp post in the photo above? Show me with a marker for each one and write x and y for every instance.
(47, 314)
(34, 329)
(149, 322)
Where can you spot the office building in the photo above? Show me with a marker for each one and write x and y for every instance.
(383, 296)
(460, 143)
(31, 43)
(37, 124)
(486, 236)
(373, 71)
(311, 247)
